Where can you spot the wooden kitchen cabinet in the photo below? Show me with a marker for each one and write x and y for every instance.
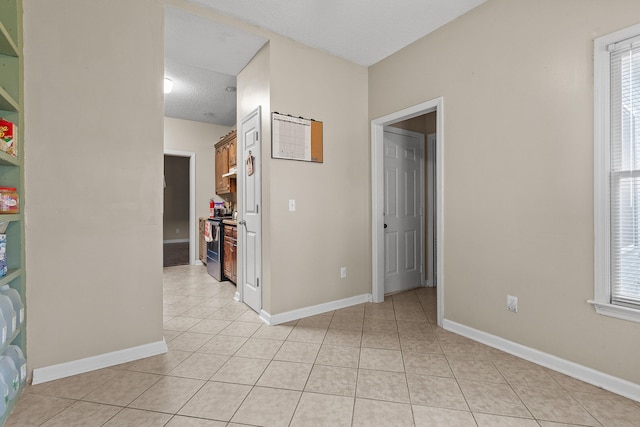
(232, 151)
(223, 185)
(230, 266)
(225, 159)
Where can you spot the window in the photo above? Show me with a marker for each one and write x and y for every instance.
(617, 174)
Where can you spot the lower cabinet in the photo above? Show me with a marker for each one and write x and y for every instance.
(230, 266)
(202, 244)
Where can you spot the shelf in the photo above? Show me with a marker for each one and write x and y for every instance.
(11, 275)
(11, 168)
(11, 339)
(7, 44)
(7, 102)
(9, 218)
(8, 159)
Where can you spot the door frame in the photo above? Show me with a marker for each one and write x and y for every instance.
(193, 223)
(377, 195)
(431, 203)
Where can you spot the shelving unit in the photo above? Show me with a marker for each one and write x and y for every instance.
(11, 168)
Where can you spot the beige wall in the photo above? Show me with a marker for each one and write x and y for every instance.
(331, 226)
(199, 138)
(93, 177)
(304, 250)
(517, 82)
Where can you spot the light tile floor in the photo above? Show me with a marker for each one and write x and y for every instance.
(382, 364)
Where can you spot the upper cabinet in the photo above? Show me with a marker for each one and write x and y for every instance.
(232, 152)
(225, 162)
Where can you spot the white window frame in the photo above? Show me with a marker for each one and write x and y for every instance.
(602, 167)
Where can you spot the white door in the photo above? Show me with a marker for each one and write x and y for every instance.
(250, 221)
(403, 210)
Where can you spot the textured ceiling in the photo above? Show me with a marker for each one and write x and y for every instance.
(202, 57)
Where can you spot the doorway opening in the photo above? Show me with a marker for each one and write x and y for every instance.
(178, 222)
(426, 119)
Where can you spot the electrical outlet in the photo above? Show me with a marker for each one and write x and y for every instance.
(292, 205)
(343, 272)
(512, 303)
(177, 231)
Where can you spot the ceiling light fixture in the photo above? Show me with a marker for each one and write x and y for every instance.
(168, 85)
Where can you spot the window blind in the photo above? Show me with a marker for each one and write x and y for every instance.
(625, 175)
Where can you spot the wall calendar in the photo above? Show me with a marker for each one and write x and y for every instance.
(296, 138)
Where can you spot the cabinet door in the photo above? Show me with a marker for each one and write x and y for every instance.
(219, 168)
(222, 167)
(234, 266)
(232, 153)
(228, 257)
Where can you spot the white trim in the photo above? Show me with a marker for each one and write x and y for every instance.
(599, 379)
(175, 241)
(377, 202)
(193, 221)
(617, 311)
(430, 151)
(67, 369)
(300, 313)
(601, 182)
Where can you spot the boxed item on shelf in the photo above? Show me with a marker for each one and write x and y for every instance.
(6, 307)
(16, 300)
(8, 137)
(10, 374)
(16, 354)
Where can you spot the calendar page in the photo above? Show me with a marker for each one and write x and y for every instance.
(296, 138)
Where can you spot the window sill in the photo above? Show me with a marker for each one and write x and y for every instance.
(617, 311)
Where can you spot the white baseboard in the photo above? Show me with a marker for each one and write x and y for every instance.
(62, 370)
(299, 313)
(599, 379)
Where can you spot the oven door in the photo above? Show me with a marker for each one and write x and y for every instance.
(214, 251)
